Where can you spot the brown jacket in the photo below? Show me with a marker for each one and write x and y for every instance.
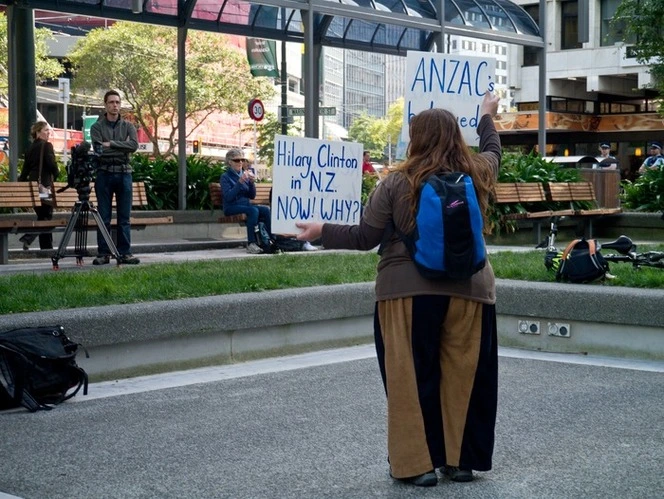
(397, 274)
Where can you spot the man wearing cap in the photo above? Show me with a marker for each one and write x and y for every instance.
(655, 160)
(605, 159)
(238, 188)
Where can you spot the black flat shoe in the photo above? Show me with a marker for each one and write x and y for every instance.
(458, 475)
(429, 479)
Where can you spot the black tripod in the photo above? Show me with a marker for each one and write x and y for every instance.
(78, 222)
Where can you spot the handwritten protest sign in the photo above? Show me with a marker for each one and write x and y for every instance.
(315, 181)
(450, 81)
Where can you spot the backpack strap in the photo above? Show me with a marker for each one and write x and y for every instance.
(390, 229)
(387, 234)
(13, 386)
(569, 249)
(82, 382)
(592, 246)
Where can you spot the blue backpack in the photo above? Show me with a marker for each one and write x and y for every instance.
(447, 241)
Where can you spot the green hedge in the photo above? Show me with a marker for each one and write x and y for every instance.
(646, 193)
(161, 180)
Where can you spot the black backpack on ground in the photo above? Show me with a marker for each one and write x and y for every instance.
(264, 239)
(38, 368)
(288, 244)
(581, 262)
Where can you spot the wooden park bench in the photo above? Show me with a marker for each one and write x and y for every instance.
(216, 197)
(537, 201)
(575, 192)
(25, 196)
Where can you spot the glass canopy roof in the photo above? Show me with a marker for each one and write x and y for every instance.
(387, 26)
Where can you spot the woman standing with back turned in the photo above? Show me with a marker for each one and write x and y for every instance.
(40, 166)
(435, 339)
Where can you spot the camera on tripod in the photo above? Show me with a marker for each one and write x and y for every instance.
(82, 166)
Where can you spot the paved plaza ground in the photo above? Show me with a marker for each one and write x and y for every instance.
(313, 426)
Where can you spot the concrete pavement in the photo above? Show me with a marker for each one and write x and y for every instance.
(313, 426)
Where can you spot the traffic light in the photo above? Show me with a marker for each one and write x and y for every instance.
(196, 146)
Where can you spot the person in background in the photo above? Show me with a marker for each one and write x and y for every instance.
(238, 189)
(436, 340)
(606, 160)
(367, 167)
(117, 139)
(40, 155)
(655, 160)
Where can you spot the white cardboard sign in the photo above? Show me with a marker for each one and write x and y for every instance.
(450, 81)
(315, 181)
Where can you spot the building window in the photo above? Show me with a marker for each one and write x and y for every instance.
(564, 105)
(612, 32)
(527, 106)
(530, 53)
(569, 29)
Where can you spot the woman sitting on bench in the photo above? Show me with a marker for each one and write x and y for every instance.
(238, 188)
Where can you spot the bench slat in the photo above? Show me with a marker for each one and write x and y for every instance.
(216, 195)
(25, 195)
(533, 200)
(15, 226)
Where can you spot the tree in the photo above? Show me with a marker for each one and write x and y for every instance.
(45, 67)
(394, 122)
(140, 60)
(395, 118)
(266, 129)
(371, 133)
(642, 21)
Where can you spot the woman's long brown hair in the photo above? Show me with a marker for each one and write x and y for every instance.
(437, 146)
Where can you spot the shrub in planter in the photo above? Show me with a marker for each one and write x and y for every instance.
(161, 179)
(646, 193)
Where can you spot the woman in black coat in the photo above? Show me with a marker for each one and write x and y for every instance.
(40, 151)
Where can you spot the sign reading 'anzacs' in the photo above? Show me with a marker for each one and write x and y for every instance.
(453, 82)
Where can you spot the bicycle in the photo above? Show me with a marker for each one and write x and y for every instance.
(628, 254)
(625, 247)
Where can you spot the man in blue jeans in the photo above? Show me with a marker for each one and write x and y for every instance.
(238, 189)
(117, 139)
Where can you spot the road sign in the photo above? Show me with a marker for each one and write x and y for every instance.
(87, 124)
(322, 111)
(63, 90)
(295, 111)
(256, 110)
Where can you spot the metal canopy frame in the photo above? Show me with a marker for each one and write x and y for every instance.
(386, 26)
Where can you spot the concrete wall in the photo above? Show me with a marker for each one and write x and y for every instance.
(126, 340)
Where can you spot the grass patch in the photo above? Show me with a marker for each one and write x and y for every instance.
(529, 266)
(168, 281)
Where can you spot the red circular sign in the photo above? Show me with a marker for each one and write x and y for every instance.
(256, 110)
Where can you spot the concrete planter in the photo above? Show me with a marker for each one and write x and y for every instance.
(126, 340)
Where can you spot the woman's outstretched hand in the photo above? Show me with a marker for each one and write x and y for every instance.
(489, 104)
(310, 231)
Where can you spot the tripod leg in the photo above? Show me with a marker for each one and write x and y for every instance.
(71, 224)
(81, 240)
(104, 232)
